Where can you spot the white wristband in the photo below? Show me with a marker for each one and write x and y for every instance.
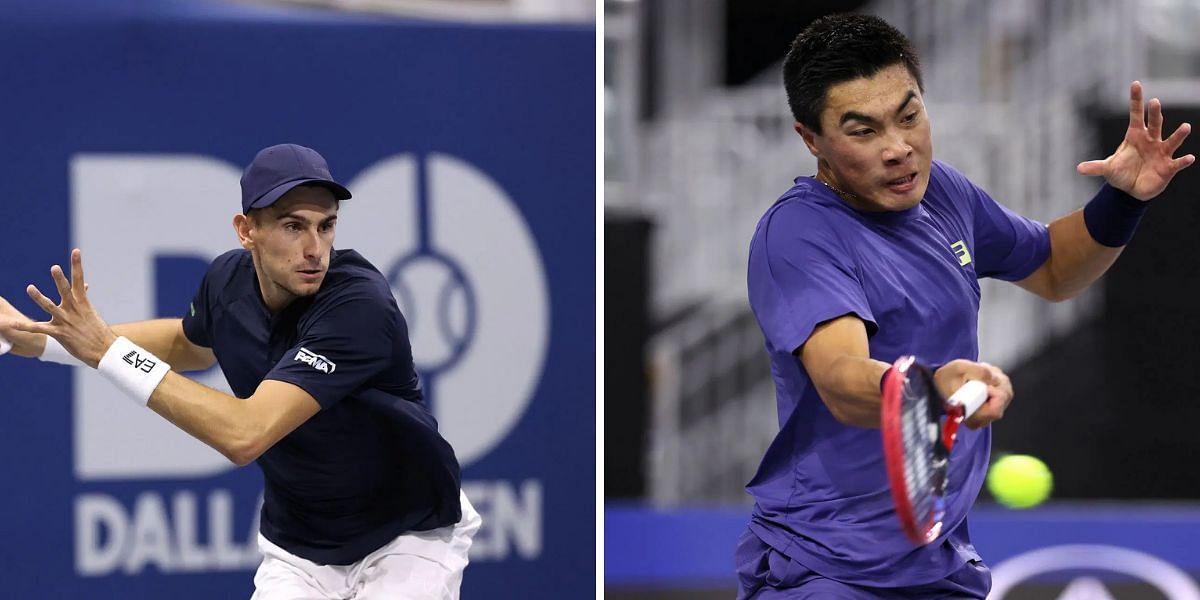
(132, 369)
(55, 353)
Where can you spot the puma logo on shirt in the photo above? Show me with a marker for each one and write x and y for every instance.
(315, 361)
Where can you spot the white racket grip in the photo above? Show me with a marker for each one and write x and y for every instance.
(971, 396)
(5, 346)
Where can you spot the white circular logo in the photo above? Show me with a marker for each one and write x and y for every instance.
(439, 304)
(468, 277)
(1167, 578)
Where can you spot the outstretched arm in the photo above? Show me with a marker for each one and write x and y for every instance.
(837, 358)
(1076, 261)
(163, 337)
(241, 429)
(1085, 243)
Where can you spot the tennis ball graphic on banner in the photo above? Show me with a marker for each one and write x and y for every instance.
(1020, 481)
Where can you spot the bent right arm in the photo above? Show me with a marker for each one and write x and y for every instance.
(163, 337)
(838, 360)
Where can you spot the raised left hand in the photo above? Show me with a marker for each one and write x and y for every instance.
(1142, 165)
(73, 321)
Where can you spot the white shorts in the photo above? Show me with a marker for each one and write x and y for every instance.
(419, 565)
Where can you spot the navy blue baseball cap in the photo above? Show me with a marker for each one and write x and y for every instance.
(277, 169)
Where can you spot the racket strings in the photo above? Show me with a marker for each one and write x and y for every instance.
(925, 466)
(915, 458)
(921, 469)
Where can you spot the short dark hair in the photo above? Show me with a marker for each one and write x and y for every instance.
(839, 48)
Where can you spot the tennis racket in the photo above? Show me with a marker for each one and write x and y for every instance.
(919, 428)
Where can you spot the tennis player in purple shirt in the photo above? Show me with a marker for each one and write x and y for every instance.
(876, 256)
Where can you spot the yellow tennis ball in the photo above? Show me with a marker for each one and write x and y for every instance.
(1019, 481)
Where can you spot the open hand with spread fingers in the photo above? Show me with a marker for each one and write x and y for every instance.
(73, 321)
(1143, 165)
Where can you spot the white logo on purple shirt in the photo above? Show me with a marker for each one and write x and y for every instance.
(315, 361)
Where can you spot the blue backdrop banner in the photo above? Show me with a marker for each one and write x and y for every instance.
(470, 150)
(1076, 548)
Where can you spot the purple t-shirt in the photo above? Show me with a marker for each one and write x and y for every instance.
(821, 492)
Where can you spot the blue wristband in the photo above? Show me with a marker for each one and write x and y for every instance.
(1112, 216)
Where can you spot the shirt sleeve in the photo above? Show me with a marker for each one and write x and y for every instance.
(800, 276)
(1008, 246)
(341, 349)
(197, 320)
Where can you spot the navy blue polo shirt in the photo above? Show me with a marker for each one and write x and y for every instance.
(371, 464)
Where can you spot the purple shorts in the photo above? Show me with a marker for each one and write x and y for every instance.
(766, 574)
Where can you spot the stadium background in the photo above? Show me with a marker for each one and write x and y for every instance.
(699, 142)
(467, 136)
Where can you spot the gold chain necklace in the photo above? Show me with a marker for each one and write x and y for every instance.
(847, 196)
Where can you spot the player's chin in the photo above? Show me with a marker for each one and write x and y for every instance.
(306, 287)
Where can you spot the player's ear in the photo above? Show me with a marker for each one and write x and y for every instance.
(242, 226)
(809, 137)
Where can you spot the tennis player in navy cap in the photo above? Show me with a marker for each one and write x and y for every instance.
(362, 494)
